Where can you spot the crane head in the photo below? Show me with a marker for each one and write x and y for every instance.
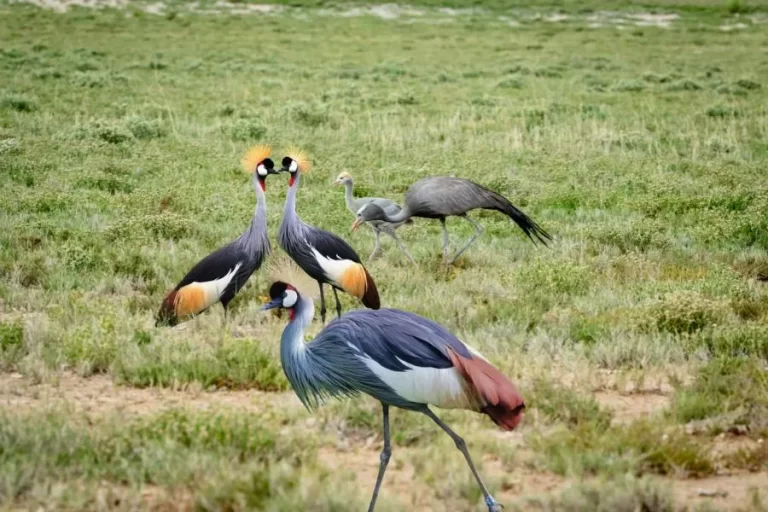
(294, 162)
(282, 295)
(366, 213)
(343, 179)
(257, 162)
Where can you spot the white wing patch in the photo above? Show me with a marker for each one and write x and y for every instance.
(214, 289)
(442, 387)
(334, 269)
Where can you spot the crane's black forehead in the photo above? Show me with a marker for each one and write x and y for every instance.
(287, 161)
(277, 289)
(268, 163)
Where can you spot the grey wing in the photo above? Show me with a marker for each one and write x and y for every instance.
(393, 339)
(443, 196)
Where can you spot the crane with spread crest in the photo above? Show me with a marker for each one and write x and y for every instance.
(220, 275)
(324, 256)
(378, 226)
(401, 359)
(440, 197)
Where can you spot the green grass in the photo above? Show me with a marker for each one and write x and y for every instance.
(215, 461)
(641, 150)
(734, 391)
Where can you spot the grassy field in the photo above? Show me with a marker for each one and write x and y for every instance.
(637, 137)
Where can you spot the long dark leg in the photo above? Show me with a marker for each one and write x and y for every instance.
(322, 302)
(384, 458)
(478, 232)
(445, 239)
(338, 304)
(493, 506)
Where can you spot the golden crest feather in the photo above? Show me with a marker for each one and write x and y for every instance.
(301, 158)
(254, 156)
(282, 268)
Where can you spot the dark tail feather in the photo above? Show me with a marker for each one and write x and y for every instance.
(167, 314)
(529, 227)
(503, 402)
(371, 297)
(505, 418)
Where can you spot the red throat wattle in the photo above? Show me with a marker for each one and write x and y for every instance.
(291, 180)
(263, 184)
(291, 313)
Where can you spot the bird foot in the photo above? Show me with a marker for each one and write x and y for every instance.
(493, 505)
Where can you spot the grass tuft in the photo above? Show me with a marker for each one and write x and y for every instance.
(642, 447)
(18, 102)
(736, 387)
(607, 495)
(234, 364)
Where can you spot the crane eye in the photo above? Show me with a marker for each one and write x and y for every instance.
(289, 298)
(294, 166)
(262, 170)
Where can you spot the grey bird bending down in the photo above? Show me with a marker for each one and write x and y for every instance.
(400, 359)
(378, 226)
(441, 196)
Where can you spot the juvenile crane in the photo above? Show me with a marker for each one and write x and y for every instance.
(378, 226)
(220, 275)
(324, 256)
(400, 359)
(442, 196)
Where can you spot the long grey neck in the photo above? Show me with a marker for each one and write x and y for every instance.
(289, 210)
(304, 374)
(255, 238)
(401, 216)
(349, 198)
(291, 224)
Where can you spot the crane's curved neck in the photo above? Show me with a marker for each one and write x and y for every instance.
(401, 216)
(256, 235)
(289, 211)
(296, 358)
(349, 197)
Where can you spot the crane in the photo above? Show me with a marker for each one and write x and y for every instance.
(220, 275)
(400, 359)
(439, 197)
(378, 227)
(324, 256)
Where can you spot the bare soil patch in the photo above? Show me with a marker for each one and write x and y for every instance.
(627, 408)
(99, 396)
(733, 492)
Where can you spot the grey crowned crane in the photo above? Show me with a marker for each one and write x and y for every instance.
(378, 226)
(400, 359)
(220, 275)
(324, 256)
(442, 196)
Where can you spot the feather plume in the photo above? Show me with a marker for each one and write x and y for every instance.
(282, 268)
(254, 156)
(305, 164)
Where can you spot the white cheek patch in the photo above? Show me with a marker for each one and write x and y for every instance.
(294, 166)
(261, 170)
(290, 298)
